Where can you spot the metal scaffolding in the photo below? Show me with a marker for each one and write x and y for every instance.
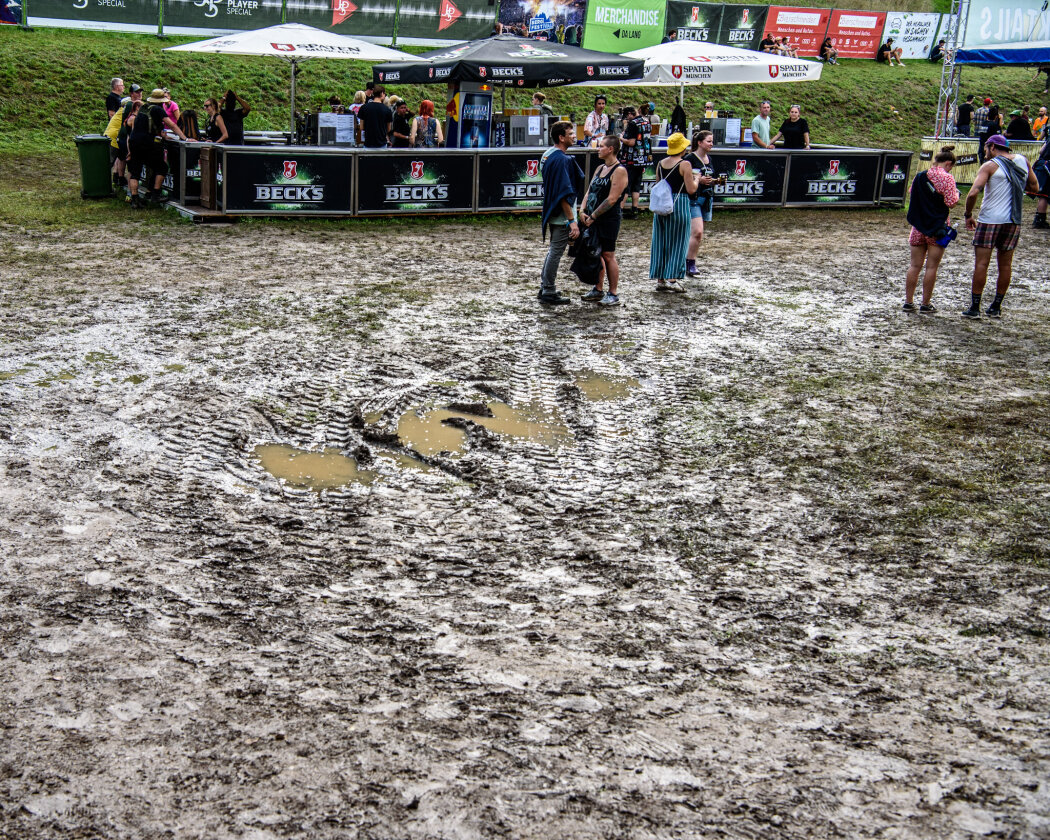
(951, 73)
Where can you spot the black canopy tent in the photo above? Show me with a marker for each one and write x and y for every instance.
(510, 60)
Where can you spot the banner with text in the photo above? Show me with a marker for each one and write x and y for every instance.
(805, 28)
(856, 34)
(452, 20)
(1003, 21)
(291, 180)
(123, 14)
(406, 183)
(833, 178)
(694, 21)
(221, 15)
(619, 26)
(913, 32)
(742, 26)
(518, 18)
(750, 178)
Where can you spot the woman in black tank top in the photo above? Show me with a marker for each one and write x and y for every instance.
(603, 213)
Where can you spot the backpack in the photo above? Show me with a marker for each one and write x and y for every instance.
(661, 199)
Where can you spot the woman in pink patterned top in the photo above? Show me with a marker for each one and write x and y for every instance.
(933, 193)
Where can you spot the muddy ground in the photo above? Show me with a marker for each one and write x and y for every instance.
(787, 576)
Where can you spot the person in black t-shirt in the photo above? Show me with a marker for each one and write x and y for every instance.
(767, 44)
(376, 119)
(964, 116)
(116, 89)
(233, 118)
(794, 130)
(888, 54)
(400, 134)
(937, 53)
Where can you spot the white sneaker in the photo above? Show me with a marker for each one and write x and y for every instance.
(675, 286)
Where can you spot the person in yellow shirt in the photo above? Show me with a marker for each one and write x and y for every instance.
(1039, 123)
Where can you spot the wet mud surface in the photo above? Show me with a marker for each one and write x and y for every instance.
(766, 560)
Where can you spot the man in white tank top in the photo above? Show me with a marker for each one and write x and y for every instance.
(1003, 179)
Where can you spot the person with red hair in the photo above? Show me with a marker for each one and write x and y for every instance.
(426, 130)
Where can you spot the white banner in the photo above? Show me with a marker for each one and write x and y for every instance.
(913, 32)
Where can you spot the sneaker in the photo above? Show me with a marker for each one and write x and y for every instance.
(993, 311)
(593, 295)
(927, 309)
(972, 312)
(609, 299)
(908, 307)
(554, 298)
(690, 268)
(675, 286)
(661, 286)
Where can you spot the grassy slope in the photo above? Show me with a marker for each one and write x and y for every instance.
(53, 82)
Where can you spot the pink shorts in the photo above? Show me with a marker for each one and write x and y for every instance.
(917, 238)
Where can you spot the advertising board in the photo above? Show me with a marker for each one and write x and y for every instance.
(453, 20)
(287, 181)
(408, 183)
(913, 32)
(510, 181)
(221, 15)
(856, 34)
(1003, 21)
(833, 178)
(619, 26)
(694, 21)
(742, 26)
(894, 180)
(750, 178)
(10, 12)
(805, 27)
(130, 15)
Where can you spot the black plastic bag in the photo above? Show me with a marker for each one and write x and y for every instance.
(586, 251)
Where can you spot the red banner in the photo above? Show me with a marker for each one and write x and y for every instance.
(805, 28)
(856, 34)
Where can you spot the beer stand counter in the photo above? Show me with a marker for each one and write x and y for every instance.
(210, 181)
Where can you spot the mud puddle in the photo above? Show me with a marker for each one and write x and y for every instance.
(606, 386)
(427, 431)
(303, 469)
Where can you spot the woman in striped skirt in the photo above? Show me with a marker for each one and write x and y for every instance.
(671, 233)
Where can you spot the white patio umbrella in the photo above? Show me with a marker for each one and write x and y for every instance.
(681, 63)
(294, 42)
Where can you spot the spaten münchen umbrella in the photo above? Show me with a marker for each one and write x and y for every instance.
(294, 42)
(509, 60)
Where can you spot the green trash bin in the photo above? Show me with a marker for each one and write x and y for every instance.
(94, 166)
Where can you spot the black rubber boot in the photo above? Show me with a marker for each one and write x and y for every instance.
(1039, 221)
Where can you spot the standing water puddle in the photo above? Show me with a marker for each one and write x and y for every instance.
(311, 470)
(601, 386)
(426, 432)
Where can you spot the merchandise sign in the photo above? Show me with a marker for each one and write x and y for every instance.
(742, 26)
(1004, 21)
(833, 178)
(913, 32)
(618, 26)
(80, 13)
(694, 21)
(856, 34)
(222, 15)
(750, 179)
(407, 183)
(895, 177)
(805, 28)
(289, 180)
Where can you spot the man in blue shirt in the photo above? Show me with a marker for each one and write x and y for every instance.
(562, 178)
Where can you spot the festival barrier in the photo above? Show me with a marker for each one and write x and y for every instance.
(614, 26)
(312, 181)
(966, 160)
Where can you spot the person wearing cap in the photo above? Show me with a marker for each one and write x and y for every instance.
(1003, 179)
(116, 91)
(1018, 128)
(670, 241)
(888, 54)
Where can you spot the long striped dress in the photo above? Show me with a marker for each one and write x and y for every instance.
(670, 234)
